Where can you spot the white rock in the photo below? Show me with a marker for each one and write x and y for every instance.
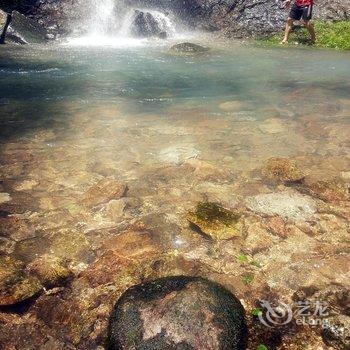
(178, 154)
(287, 204)
(26, 185)
(4, 197)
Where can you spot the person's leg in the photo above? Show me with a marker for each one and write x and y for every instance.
(307, 15)
(4, 30)
(289, 26)
(310, 28)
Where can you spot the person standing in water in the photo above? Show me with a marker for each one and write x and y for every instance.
(301, 10)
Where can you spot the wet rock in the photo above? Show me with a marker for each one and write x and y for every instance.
(258, 239)
(334, 190)
(272, 126)
(178, 154)
(287, 204)
(336, 332)
(24, 30)
(50, 270)
(188, 48)
(231, 106)
(276, 225)
(222, 194)
(206, 171)
(177, 313)
(345, 175)
(115, 209)
(145, 25)
(16, 228)
(28, 249)
(26, 185)
(104, 191)
(215, 221)
(282, 169)
(124, 254)
(15, 286)
(4, 197)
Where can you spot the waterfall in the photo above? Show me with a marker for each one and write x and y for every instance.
(110, 23)
(102, 19)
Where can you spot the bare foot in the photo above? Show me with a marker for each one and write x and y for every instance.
(284, 41)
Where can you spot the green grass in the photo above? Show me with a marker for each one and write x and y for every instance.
(334, 35)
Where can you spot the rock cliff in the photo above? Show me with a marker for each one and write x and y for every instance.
(234, 18)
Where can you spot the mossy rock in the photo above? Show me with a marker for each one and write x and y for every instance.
(215, 221)
(188, 48)
(15, 286)
(177, 313)
(283, 170)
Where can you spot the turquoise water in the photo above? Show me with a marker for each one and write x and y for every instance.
(167, 125)
(150, 79)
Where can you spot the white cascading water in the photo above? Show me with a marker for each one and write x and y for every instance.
(103, 19)
(105, 26)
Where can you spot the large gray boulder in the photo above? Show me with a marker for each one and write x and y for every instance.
(177, 313)
(23, 30)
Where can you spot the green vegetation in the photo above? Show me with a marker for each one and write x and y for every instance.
(247, 279)
(256, 312)
(262, 347)
(335, 35)
(242, 258)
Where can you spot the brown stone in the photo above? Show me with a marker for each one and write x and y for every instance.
(283, 170)
(15, 286)
(335, 190)
(50, 270)
(104, 191)
(126, 252)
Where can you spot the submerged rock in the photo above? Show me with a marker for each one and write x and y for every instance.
(177, 313)
(50, 270)
(231, 106)
(15, 286)
(188, 48)
(178, 154)
(215, 221)
(4, 197)
(104, 191)
(282, 169)
(329, 190)
(287, 204)
(273, 126)
(336, 332)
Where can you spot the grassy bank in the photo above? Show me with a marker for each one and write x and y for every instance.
(335, 35)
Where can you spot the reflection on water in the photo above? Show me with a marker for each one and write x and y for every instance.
(175, 129)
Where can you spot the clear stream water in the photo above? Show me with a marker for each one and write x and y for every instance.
(70, 116)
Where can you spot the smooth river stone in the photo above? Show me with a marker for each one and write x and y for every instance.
(177, 313)
(287, 204)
